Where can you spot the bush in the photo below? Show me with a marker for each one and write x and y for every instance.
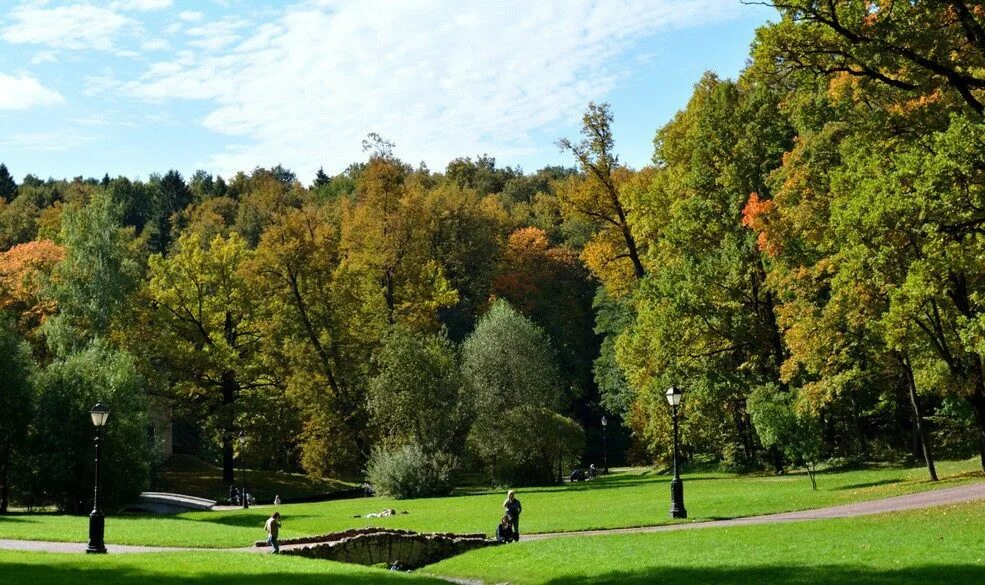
(409, 472)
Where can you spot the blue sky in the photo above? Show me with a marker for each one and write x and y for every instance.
(133, 87)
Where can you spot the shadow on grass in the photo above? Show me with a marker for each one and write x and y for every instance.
(612, 482)
(16, 518)
(57, 575)
(857, 486)
(784, 575)
(249, 520)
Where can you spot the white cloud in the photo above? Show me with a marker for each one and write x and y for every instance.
(213, 36)
(46, 141)
(44, 57)
(72, 27)
(143, 5)
(157, 44)
(440, 78)
(22, 93)
(190, 15)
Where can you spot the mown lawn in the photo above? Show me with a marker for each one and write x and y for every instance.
(928, 547)
(634, 497)
(189, 568)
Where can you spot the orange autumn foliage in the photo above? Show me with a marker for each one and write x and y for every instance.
(753, 217)
(23, 271)
(530, 268)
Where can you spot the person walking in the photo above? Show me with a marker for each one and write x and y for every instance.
(513, 509)
(277, 500)
(273, 531)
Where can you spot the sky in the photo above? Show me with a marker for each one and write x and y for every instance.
(133, 87)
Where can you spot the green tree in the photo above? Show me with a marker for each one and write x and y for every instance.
(414, 397)
(8, 186)
(928, 49)
(172, 196)
(704, 315)
(512, 379)
(320, 335)
(205, 332)
(783, 424)
(93, 285)
(596, 195)
(321, 179)
(16, 402)
(57, 467)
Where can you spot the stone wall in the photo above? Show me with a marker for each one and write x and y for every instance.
(374, 546)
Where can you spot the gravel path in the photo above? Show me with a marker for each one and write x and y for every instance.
(917, 501)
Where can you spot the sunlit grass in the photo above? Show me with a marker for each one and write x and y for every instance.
(927, 547)
(633, 497)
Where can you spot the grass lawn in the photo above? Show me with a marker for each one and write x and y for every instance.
(635, 497)
(194, 477)
(927, 547)
(205, 568)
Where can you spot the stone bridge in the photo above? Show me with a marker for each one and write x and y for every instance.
(374, 546)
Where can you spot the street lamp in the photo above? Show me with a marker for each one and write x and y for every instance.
(677, 509)
(97, 522)
(242, 464)
(605, 452)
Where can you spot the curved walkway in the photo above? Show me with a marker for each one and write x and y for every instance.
(929, 499)
(917, 501)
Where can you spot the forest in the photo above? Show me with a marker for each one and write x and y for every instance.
(805, 256)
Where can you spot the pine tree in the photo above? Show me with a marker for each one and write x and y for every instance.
(8, 187)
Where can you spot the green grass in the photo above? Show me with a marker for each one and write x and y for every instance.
(927, 547)
(193, 477)
(629, 498)
(205, 568)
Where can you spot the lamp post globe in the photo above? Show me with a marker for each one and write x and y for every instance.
(97, 522)
(605, 450)
(242, 451)
(677, 509)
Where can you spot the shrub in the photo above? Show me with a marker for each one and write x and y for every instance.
(409, 472)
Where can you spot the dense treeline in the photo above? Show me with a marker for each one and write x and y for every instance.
(384, 307)
(804, 255)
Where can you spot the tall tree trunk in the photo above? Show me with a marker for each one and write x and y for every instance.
(230, 391)
(227, 459)
(918, 418)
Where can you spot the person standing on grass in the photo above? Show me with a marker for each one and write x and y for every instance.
(513, 509)
(273, 530)
(277, 500)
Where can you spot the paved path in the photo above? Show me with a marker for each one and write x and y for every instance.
(917, 501)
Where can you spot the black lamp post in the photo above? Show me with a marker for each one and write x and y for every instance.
(97, 522)
(242, 464)
(605, 451)
(677, 509)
